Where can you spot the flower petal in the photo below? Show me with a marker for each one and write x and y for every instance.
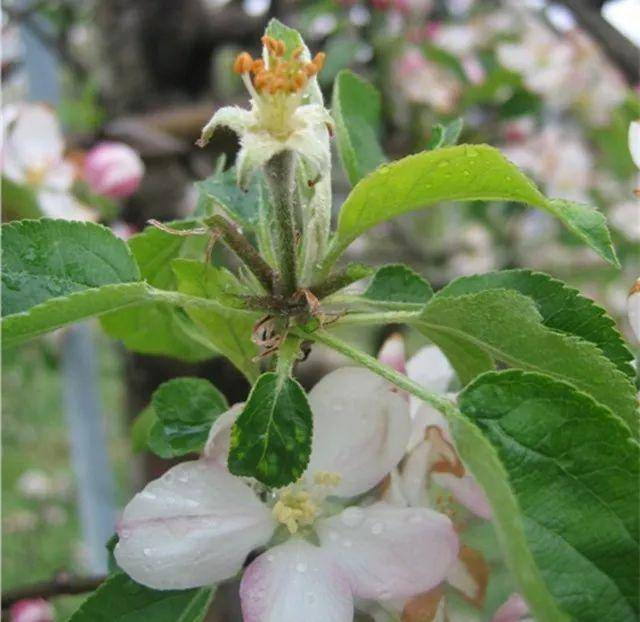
(194, 526)
(466, 491)
(512, 610)
(390, 552)
(35, 138)
(255, 149)
(633, 309)
(55, 204)
(219, 440)
(392, 353)
(236, 118)
(295, 581)
(431, 369)
(360, 428)
(470, 575)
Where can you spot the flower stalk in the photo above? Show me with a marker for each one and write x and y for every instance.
(280, 176)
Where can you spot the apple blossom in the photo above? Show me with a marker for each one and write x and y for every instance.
(286, 113)
(513, 610)
(32, 610)
(33, 156)
(198, 523)
(113, 170)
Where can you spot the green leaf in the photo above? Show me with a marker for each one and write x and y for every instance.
(271, 439)
(18, 201)
(356, 110)
(460, 173)
(58, 312)
(121, 599)
(588, 224)
(141, 429)
(508, 327)
(398, 283)
(289, 36)
(184, 409)
(562, 308)
(574, 470)
(157, 327)
(445, 135)
(45, 259)
(228, 331)
(222, 190)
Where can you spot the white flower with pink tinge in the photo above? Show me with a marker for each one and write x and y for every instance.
(33, 156)
(431, 456)
(32, 610)
(197, 524)
(113, 170)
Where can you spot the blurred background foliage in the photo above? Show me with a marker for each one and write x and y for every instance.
(554, 85)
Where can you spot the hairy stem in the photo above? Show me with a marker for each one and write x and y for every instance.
(244, 250)
(384, 317)
(279, 174)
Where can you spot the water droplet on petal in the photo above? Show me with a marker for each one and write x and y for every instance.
(377, 528)
(168, 477)
(270, 557)
(347, 544)
(124, 534)
(301, 567)
(147, 552)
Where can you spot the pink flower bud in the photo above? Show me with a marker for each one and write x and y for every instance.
(392, 353)
(32, 610)
(113, 170)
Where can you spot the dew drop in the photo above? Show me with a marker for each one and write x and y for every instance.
(124, 534)
(377, 528)
(333, 535)
(472, 152)
(147, 552)
(301, 567)
(383, 170)
(168, 477)
(347, 544)
(270, 558)
(184, 478)
(352, 517)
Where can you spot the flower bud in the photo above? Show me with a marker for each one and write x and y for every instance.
(392, 353)
(32, 610)
(113, 170)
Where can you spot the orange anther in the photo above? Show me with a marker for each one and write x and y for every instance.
(297, 52)
(318, 60)
(281, 47)
(257, 66)
(243, 63)
(299, 80)
(311, 69)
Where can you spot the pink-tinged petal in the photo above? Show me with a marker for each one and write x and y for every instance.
(512, 610)
(114, 170)
(431, 369)
(466, 491)
(295, 581)
(361, 427)
(193, 526)
(424, 416)
(219, 440)
(390, 552)
(59, 177)
(32, 610)
(392, 353)
(54, 204)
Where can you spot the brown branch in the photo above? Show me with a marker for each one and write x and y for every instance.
(61, 585)
(622, 52)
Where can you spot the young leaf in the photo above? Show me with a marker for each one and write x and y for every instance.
(461, 173)
(445, 135)
(508, 326)
(185, 409)
(588, 224)
(45, 259)
(562, 308)
(228, 331)
(574, 470)
(157, 327)
(271, 439)
(221, 190)
(141, 429)
(356, 110)
(58, 312)
(398, 283)
(121, 599)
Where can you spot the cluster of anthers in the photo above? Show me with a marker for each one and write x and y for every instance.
(278, 75)
(297, 507)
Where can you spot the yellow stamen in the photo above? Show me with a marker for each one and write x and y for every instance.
(294, 509)
(326, 478)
